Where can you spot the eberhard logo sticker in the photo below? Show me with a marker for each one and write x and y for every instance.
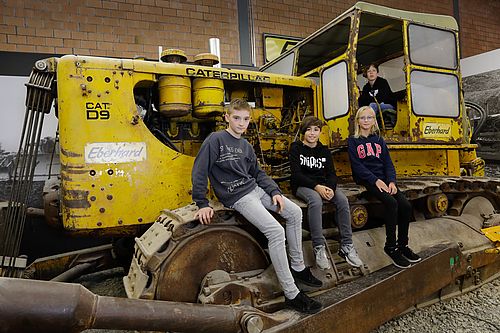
(437, 130)
(115, 152)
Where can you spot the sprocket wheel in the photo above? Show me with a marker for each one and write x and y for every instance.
(226, 248)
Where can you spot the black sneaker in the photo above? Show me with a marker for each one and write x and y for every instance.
(409, 254)
(397, 258)
(305, 276)
(303, 303)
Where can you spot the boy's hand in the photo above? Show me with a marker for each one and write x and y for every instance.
(205, 215)
(329, 193)
(324, 191)
(278, 201)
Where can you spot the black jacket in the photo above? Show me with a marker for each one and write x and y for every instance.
(382, 92)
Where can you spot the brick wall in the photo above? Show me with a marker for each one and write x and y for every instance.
(480, 26)
(119, 28)
(126, 28)
(297, 18)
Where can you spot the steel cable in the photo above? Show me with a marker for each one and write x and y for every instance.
(38, 102)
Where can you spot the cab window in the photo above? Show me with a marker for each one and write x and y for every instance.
(434, 94)
(432, 47)
(335, 91)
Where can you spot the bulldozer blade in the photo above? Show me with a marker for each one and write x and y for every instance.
(365, 304)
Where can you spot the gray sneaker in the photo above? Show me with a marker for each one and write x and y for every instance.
(348, 252)
(321, 258)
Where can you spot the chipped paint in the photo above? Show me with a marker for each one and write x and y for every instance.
(69, 153)
(76, 199)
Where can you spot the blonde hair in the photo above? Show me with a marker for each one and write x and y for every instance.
(373, 130)
(238, 104)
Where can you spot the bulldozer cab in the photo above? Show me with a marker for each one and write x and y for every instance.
(417, 54)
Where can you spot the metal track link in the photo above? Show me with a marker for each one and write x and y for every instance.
(457, 189)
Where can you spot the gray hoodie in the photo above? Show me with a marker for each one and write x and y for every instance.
(232, 168)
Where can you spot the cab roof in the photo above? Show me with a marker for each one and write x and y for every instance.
(331, 40)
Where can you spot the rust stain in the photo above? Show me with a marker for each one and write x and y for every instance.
(75, 171)
(70, 153)
(73, 166)
(336, 138)
(76, 199)
(416, 130)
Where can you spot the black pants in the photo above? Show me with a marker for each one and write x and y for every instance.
(397, 212)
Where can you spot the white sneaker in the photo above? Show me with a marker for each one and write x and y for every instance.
(350, 255)
(321, 258)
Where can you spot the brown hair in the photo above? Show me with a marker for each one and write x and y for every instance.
(308, 122)
(365, 70)
(238, 104)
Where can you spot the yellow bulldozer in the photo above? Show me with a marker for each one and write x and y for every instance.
(129, 130)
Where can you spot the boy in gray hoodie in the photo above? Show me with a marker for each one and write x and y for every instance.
(230, 163)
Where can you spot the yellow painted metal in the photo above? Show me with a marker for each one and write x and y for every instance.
(402, 123)
(359, 215)
(437, 204)
(116, 175)
(240, 94)
(208, 97)
(272, 97)
(420, 162)
(195, 71)
(472, 165)
(206, 59)
(430, 129)
(96, 191)
(412, 162)
(279, 145)
(173, 56)
(102, 188)
(266, 119)
(453, 162)
(175, 95)
(340, 126)
(493, 234)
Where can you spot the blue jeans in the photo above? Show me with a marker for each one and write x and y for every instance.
(315, 216)
(383, 106)
(254, 207)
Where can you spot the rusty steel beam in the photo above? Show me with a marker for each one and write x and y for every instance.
(40, 306)
(365, 304)
(67, 266)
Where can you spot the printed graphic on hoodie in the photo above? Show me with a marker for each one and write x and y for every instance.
(312, 162)
(372, 149)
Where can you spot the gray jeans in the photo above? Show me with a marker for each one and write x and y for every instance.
(315, 216)
(254, 207)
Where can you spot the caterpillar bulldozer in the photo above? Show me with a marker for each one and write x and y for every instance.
(129, 130)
